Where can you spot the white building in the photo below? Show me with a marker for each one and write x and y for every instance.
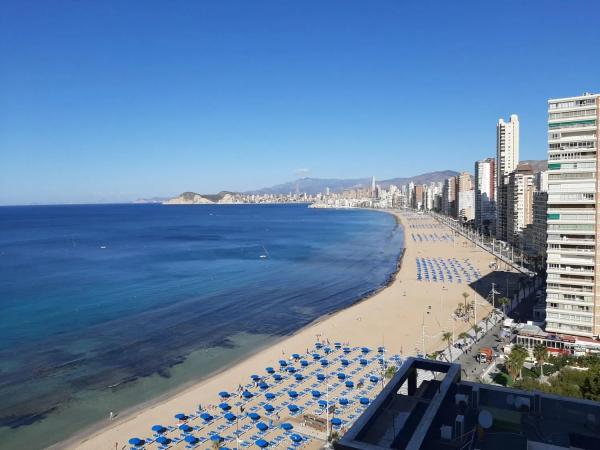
(507, 159)
(485, 194)
(572, 305)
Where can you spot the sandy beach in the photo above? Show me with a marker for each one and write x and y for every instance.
(392, 317)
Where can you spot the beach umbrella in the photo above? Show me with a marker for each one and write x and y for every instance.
(181, 416)
(262, 385)
(277, 377)
(304, 363)
(292, 394)
(262, 443)
(347, 350)
(322, 403)
(224, 406)
(337, 345)
(255, 377)
(158, 429)
(287, 426)
(345, 362)
(247, 394)
(206, 417)
(364, 362)
(268, 408)
(185, 428)
(262, 426)
(270, 370)
(291, 369)
(341, 376)
(295, 356)
(224, 394)
(295, 437)
(254, 416)
(365, 350)
(349, 384)
(191, 439)
(381, 349)
(163, 440)
(230, 417)
(318, 345)
(320, 377)
(282, 362)
(364, 401)
(136, 442)
(336, 421)
(292, 408)
(216, 438)
(299, 377)
(316, 356)
(327, 350)
(269, 396)
(374, 379)
(324, 362)
(343, 401)
(316, 394)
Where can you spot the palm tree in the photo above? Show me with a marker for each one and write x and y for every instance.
(466, 296)
(503, 302)
(464, 336)
(447, 338)
(459, 310)
(476, 329)
(540, 353)
(516, 360)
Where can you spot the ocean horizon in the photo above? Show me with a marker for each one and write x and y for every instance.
(109, 306)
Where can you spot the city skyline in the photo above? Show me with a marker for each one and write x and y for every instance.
(115, 103)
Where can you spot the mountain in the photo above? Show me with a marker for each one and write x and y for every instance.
(538, 165)
(192, 198)
(315, 185)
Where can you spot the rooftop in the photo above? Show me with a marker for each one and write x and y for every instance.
(427, 406)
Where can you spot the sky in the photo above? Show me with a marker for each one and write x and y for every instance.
(109, 101)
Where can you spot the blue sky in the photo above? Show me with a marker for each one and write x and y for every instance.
(115, 100)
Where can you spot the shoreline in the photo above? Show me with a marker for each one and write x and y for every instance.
(392, 313)
(126, 415)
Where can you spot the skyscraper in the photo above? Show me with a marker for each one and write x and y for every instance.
(465, 197)
(572, 304)
(373, 187)
(519, 203)
(485, 195)
(507, 158)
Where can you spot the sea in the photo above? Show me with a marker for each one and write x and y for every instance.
(104, 307)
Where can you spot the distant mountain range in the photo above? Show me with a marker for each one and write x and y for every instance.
(315, 185)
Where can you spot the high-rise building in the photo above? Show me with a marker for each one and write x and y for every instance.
(449, 197)
(485, 195)
(373, 187)
(519, 203)
(507, 158)
(465, 206)
(573, 300)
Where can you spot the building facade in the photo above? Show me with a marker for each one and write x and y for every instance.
(485, 195)
(507, 158)
(519, 203)
(573, 247)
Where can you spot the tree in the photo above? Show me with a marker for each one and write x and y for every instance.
(540, 353)
(466, 296)
(464, 336)
(447, 338)
(516, 360)
(390, 371)
(476, 329)
(503, 302)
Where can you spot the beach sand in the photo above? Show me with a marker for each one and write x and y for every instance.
(392, 318)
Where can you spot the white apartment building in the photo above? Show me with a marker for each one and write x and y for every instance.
(507, 159)
(485, 194)
(573, 305)
(520, 189)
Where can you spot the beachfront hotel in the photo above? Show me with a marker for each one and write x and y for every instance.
(507, 159)
(572, 299)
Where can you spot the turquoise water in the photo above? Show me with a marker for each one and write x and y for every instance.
(108, 306)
